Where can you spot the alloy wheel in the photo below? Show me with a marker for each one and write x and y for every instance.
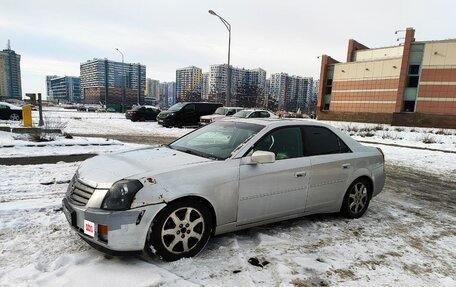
(358, 198)
(182, 230)
(14, 117)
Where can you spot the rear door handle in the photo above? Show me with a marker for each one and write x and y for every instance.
(345, 165)
(300, 174)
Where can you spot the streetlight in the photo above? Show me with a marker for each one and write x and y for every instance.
(228, 26)
(124, 84)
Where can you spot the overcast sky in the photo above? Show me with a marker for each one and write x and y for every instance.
(54, 37)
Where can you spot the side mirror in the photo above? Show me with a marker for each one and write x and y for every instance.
(263, 157)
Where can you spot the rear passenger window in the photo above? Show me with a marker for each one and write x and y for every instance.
(320, 140)
(264, 114)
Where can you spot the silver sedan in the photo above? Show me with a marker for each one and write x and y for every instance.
(229, 175)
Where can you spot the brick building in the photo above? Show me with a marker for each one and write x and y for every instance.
(413, 84)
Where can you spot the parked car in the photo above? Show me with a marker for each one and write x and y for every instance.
(226, 176)
(254, 113)
(142, 113)
(186, 114)
(10, 112)
(89, 108)
(219, 114)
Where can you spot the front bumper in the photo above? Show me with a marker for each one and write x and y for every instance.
(165, 121)
(126, 230)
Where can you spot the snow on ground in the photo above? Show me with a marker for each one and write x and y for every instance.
(443, 139)
(406, 238)
(104, 123)
(19, 145)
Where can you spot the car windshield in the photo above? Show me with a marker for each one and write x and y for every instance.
(217, 140)
(221, 111)
(242, 114)
(176, 107)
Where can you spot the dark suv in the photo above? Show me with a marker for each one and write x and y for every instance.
(142, 113)
(186, 114)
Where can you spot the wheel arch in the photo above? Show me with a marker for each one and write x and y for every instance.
(206, 203)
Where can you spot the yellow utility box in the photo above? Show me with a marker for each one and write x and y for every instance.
(27, 116)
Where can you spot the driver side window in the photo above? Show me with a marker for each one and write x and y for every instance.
(285, 143)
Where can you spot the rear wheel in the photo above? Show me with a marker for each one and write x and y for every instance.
(182, 229)
(357, 198)
(15, 117)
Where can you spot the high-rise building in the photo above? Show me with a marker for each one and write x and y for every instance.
(113, 82)
(291, 92)
(10, 74)
(241, 80)
(65, 89)
(152, 88)
(167, 94)
(205, 87)
(189, 84)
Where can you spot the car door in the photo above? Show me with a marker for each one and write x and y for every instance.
(332, 165)
(273, 190)
(189, 116)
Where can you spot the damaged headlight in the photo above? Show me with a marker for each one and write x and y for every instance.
(121, 195)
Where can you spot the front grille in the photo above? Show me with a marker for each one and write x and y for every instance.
(79, 193)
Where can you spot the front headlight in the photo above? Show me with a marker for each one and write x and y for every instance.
(121, 195)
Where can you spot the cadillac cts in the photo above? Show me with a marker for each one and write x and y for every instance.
(226, 176)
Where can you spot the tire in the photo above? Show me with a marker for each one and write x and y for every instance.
(15, 117)
(181, 230)
(356, 199)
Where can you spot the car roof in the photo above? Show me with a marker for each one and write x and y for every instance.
(281, 122)
(10, 105)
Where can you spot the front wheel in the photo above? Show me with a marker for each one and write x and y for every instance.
(182, 229)
(357, 198)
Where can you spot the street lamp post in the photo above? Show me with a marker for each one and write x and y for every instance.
(228, 84)
(124, 81)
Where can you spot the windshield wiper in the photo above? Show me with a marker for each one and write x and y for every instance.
(197, 153)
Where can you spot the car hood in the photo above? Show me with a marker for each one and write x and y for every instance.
(165, 113)
(102, 171)
(210, 117)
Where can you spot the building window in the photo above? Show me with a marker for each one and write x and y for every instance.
(409, 106)
(414, 69)
(413, 81)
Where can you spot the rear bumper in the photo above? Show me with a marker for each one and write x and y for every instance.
(127, 230)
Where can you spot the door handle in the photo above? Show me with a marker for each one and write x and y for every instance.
(345, 165)
(300, 174)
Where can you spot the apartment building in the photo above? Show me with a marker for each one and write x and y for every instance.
(291, 92)
(189, 84)
(112, 83)
(64, 89)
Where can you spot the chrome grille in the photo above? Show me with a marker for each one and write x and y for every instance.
(79, 193)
